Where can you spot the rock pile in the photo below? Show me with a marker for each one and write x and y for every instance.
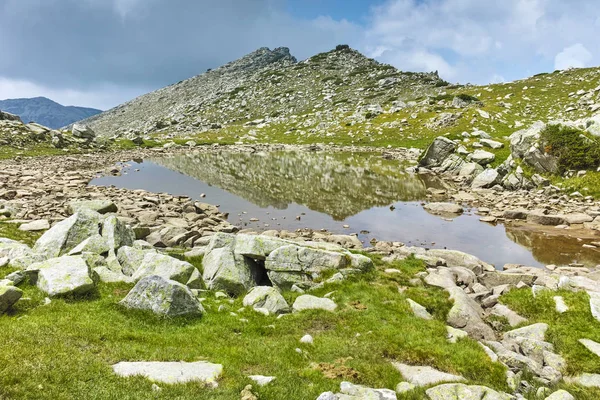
(71, 257)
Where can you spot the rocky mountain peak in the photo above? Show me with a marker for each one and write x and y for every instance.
(259, 59)
(269, 85)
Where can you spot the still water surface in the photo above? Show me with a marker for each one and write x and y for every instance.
(330, 190)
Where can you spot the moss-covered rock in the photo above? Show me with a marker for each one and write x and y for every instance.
(162, 296)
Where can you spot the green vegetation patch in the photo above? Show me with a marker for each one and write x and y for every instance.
(65, 349)
(564, 330)
(574, 149)
(11, 231)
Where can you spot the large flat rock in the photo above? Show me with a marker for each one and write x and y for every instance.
(308, 302)
(460, 391)
(172, 372)
(64, 276)
(425, 376)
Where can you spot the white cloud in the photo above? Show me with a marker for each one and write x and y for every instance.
(473, 40)
(418, 60)
(109, 50)
(575, 56)
(125, 7)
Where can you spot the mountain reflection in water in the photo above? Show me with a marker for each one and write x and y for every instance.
(318, 190)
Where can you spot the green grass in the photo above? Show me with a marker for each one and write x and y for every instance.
(64, 350)
(574, 149)
(564, 329)
(588, 185)
(11, 231)
(33, 150)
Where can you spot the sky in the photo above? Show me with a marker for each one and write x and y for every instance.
(101, 53)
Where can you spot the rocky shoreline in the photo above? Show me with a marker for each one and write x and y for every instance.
(35, 190)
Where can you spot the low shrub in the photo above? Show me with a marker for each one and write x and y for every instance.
(574, 149)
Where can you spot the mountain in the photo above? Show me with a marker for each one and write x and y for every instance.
(46, 112)
(270, 86)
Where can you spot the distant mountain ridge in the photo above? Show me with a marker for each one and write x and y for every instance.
(46, 112)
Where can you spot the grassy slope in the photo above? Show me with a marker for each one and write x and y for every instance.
(65, 349)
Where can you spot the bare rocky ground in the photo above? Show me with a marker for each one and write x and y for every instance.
(33, 189)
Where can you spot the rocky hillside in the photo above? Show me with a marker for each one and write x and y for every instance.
(46, 112)
(17, 138)
(269, 87)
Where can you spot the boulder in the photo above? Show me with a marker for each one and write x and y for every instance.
(94, 244)
(585, 379)
(452, 165)
(100, 206)
(262, 380)
(418, 310)
(591, 346)
(131, 258)
(107, 275)
(486, 179)
(68, 275)
(172, 372)
(287, 280)
(224, 270)
(455, 258)
(560, 395)
(163, 297)
(305, 259)
(437, 152)
(514, 319)
(518, 213)
(83, 132)
(424, 375)
(492, 279)
(578, 218)
(492, 144)
(164, 266)
(467, 315)
(482, 157)
(267, 298)
(308, 302)
(67, 234)
(535, 332)
(257, 246)
(35, 226)
(470, 170)
(459, 391)
(525, 144)
(9, 295)
(595, 304)
(116, 233)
